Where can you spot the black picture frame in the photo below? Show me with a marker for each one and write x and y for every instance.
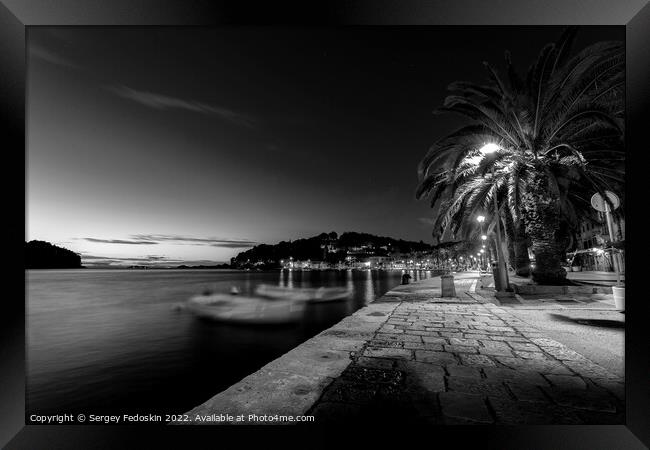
(17, 15)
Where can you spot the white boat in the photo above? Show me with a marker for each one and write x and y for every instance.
(245, 310)
(311, 295)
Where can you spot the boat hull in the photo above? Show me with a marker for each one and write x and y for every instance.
(245, 310)
(310, 295)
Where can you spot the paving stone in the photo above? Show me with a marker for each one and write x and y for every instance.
(359, 374)
(391, 330)
(567, 381)
(465, 371)
(460, 349)
(530, 355)
(564, 354)
(341, 391)
(410, 338)
(422, 376)
(526, 346)
(416, 346)
(478, 387)
(386, 343)
(448, 334)
(476, 336)
(494, 348)
(582, 399)
(545, 367)
(434, 340)
(463, 341)
(526, 392)
(420, 332)
(545, 342)
(509, 338)
(498, 329)
(458, 405)
(376, 363)
(524, 376)
(433, 347)
(510, 412)
(476, 360)
(387, 337)
(380, 352)
(439, 358)
(615, 388)
(588, 369)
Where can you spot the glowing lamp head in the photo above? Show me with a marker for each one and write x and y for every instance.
(484, 237)
(489, 148)
(481, 219)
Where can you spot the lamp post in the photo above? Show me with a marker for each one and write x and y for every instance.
(503, 285)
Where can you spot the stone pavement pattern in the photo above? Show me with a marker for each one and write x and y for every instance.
(463, 360)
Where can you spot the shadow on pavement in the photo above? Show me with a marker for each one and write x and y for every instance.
(604, 323)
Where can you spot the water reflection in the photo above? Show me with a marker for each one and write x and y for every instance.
(290, 278)
(369, 287)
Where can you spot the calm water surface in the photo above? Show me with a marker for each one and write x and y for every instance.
(110, 341)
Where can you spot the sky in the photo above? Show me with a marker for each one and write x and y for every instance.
(167, 145)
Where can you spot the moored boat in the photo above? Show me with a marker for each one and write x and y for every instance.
(245, 310)
(311, 295)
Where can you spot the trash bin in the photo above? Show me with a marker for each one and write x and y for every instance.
(447, 285)
(495, 275)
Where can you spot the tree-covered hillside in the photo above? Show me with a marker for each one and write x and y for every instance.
(43, 255)
(328, 247)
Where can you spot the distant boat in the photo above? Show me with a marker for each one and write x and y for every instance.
(245, 310)
(311, 295)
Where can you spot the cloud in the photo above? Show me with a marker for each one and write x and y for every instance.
(214, 242)
(153, 261)
(234, 244)
(426, 221)
(149, 258)
(120, 241)
(163, 102)
(43, 54)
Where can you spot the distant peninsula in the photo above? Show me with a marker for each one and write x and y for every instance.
(43, 255)
(217, 266)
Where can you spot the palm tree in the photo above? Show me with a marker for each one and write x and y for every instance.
(559, 133)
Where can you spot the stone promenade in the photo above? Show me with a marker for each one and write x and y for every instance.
(414, 357)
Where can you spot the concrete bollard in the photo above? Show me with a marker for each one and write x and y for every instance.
(447, 284)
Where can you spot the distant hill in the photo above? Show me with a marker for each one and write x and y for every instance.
(43, 255)
(328, 247)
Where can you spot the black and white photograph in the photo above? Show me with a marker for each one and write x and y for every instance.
(247, 225)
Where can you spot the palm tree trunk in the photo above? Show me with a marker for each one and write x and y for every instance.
(509, 229)
(522, 261)
(542, 217)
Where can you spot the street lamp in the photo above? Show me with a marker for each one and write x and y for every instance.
(488, 149)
